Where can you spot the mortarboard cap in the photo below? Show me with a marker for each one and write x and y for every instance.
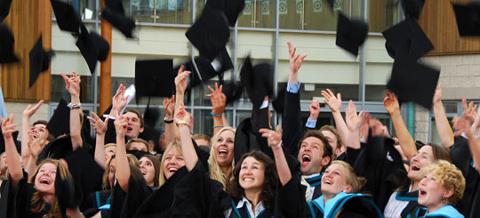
(407, 37)
(118, 20)
(150, 118)
(39, 61)
(67, 18)
(351, 33)
(233, 91)
(59, 124)
(4, 9)
(412, 8)
(468, 19)
(208, 69)
(413, 81)
(93, 48)
(7, 41)
(154, 78)
(257, 80)
(210, 33)
(231, 8)
(116, 6)
(260, 119)
(57, 149)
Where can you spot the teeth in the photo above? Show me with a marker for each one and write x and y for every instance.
(248, 179)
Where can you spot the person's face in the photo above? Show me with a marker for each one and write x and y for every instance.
(111, 172)
(45, 178)
(252, 174)
(423, 158)
(109, 152)
(133, 127)
(334, 180)
(148, 170)
(172, 162)
(223, 148)
(39, 131)
(431, 192)
(138, 146)
(311, 157)
(332, 139)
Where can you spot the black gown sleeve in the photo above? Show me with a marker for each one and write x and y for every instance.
(381, 164)
(291, 124)
(22, 197)
(291, 198)
(125, 204)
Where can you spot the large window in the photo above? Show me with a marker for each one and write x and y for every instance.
(161, 11)
(258, 14)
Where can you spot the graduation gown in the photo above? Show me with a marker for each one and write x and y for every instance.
(344, 205)
(125, 204)
(461, 157)
(381, 164)
(447, 211)
(412, 208)
(5, 199)
(22, 205)
(98, 201)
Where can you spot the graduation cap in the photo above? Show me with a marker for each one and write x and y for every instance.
(413, 81)
(59, 124)
(468, 19)
(39, 61)
(118, 20)
(258, 81)
(67, 18)
(351, 33)
(210, 33)
(150, 118)
(407, 37)
(154, 78)
(93, 48)
(116, 6)
(231, 8)
(4, 9)
(233, 90)
(7, 41)
(412, 8)
(57, 149)
(138, 154)
(203, 69)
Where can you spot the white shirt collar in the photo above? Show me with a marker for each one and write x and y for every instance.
(258, 209)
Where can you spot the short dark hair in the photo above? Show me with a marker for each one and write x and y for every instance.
(50, 137)
(327, 149)
(439, 152)
(139, 115)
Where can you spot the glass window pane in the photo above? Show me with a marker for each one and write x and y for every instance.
(258, 14)
(160, 11)
(382, 15)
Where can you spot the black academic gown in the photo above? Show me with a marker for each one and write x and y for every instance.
(5, 199)
(125, 204)
(344, 205)
(381, 164)
(22, 205)
(460, 154)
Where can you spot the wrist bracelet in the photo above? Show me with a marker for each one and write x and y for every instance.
(215, 115)
(182, 122)
(74, 106)
(218, 126)
(167, 121)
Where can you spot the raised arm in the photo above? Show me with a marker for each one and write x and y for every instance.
(275, 142)
(26, 129)
(314, 109)
(219, 101)
(353, 122)
(441, 121)
(406, 141)
(122, 171)
(100, 130)
(35, 147)
(473, 142)
(335, 105)
(181, 82)
(291, 114)
(169, 125)
(72, 84)
(183, 120)
(13, 158)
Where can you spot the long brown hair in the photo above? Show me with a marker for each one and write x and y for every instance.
(156, 165)
(271, 179)
(38, 204)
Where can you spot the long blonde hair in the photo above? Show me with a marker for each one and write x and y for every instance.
(174, 145)
(216, 172)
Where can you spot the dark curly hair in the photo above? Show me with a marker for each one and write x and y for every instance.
(269, 185)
